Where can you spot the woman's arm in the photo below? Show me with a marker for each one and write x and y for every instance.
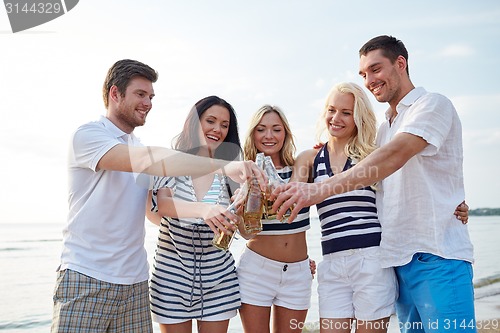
(215, 216)
(303, 166)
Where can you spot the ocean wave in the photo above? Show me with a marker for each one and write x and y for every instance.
(486, 287)
(39, 240)
(27, 244)
(16, 325)
(11, 249)
(487, 281)
(23, 241)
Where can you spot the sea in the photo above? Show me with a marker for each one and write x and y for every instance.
(29, 256)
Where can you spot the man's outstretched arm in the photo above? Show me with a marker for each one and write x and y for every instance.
(378, 165)
(159, 161)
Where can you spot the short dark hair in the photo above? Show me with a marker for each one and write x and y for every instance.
(391, 48)
(122, 72)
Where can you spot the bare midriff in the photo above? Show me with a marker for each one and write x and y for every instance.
(283, 248)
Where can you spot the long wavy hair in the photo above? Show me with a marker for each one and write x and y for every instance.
(287, 152)
(362, 143)
(189, 140)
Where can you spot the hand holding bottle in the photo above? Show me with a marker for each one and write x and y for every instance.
(223, 238)
(274, 181)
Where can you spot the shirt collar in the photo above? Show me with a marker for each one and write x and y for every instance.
(407, 101)
(118, 133)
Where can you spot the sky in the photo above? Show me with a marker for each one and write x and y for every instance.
(287, 53)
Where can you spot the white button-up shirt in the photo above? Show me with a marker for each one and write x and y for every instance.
(416, 203)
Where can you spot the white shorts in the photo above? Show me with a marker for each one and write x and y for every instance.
(264, 282)
(352, 284)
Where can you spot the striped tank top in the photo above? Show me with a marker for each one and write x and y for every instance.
(348, 220)
(276, 227)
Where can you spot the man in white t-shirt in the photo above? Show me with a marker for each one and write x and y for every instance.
(102, 282)
(418, 168)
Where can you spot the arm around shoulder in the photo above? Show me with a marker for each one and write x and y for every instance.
(302, 169)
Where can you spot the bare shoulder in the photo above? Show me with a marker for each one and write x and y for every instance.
(303, 165)
(307, 157)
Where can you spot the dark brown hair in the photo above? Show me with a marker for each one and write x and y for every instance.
(391, 48)
(122, 72)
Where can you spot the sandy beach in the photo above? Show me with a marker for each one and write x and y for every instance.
(488, 314)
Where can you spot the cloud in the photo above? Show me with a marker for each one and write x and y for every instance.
(481, 110)
(457, 50)
(320, 83)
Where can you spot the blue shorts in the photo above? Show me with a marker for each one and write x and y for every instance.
(435, 295)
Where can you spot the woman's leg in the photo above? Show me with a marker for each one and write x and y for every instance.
(213, 326)
(335, 325)
(287, 320)
(255, 319)
(372, 326)
(185, 327)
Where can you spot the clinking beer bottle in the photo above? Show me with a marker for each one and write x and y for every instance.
(274, 181)
(254, 203)
(223, 241)
(254, 208)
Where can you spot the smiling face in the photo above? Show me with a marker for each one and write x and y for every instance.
(339, 115)
(214, 126)
(269, 135)
(383, 78)
(133, 107)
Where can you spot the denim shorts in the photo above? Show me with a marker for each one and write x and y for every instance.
(435, 295)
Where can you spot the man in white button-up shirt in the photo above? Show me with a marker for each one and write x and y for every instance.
(419, 170)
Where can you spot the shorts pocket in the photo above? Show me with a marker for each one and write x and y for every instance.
(428, 258)
(60, 282)
(372, 253)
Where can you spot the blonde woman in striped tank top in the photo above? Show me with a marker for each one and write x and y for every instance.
(274, 271)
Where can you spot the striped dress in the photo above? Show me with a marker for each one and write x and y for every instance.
(276, 227)
(191, 278)
(348, 220)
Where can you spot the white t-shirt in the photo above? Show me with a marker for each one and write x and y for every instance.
(416, 203)
(104, 237)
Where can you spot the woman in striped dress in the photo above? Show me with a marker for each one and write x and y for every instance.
(193, 280)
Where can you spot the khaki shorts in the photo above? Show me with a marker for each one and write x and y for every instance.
(265, 282)
(352, 284)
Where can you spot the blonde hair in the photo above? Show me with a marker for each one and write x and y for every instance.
(287, 152)
(362, 142)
